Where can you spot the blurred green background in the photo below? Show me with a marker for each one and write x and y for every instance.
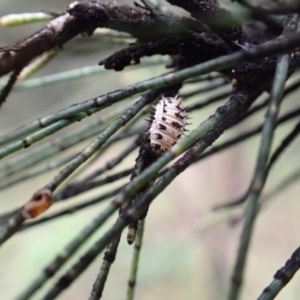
(185, 255)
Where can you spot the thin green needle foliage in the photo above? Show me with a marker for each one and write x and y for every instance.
(55, 146)
(67, 253)
(96, 144)
(135, 261)
(160, 81)
(108, 259)
(259, 175)
(138, 182)
(132, 214)
(34, 172)
(125, 122)
(209, 87)
(74, 209)
(41, 134)
(125, 133)
(112, 163)
(38, 63)
(84, 155)
(12, 180)
(112, 248)
(74, 74)
(84, 185)
(282, 277)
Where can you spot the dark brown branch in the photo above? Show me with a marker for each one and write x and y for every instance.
(156, 33)
(84, 18)
(189, 50)
(132, 54)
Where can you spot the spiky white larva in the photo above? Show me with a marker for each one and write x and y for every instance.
(168, 124)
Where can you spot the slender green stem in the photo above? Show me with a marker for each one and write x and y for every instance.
(120, 137)
(75, 74)
(209, 87)
(285, 118)
(42, 152)
(283, 184)
(38, 63)
(113, 162)
(84, 155)
(135, 260)
(284, 144)
(41, 134)
(88, 151)
(294, 113)
(12, 180)
(64, 255)
(282, 277)
(55, 146)
(11, 227)
(125, 131)
(212, 218)
(108, 259)
(69, 190)
(259, 175)
(210, 100)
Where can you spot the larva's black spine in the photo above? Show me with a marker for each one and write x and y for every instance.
(169, 120)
